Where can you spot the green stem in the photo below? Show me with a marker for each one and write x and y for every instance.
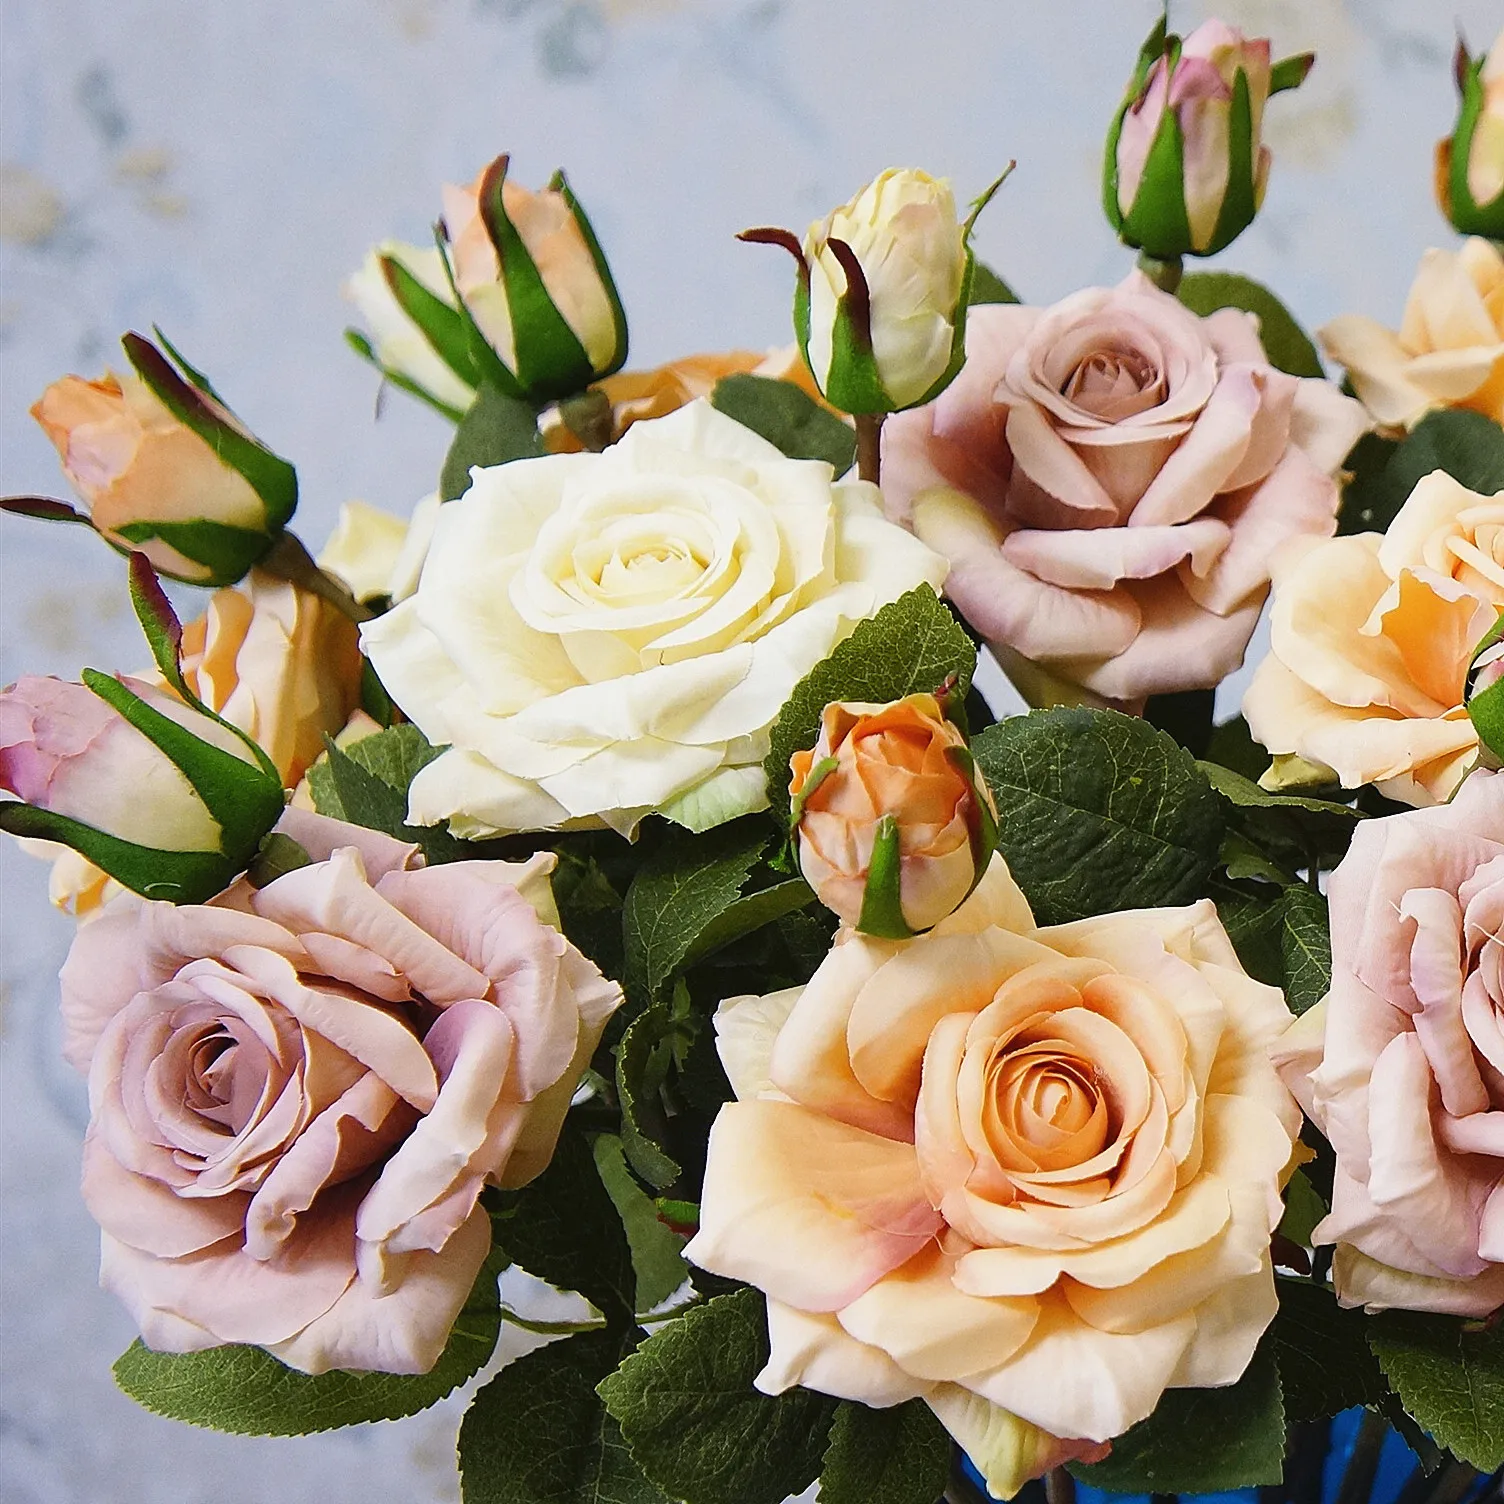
(869, 445)
(549, 1328)
(289, 560)
(1165, 274)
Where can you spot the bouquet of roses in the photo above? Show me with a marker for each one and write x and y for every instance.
(612, 871)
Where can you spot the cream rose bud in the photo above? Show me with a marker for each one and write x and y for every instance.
(595, 637)
(297, 1093)
(893, 821)
(885, 311)
(1186, 166)
(1448, 350)
(1470, 162)
(986, 1165)
(530, 272)
(1401, 1065)
(166, 469)
(164, 813)
(1371, 639)
(418, 336)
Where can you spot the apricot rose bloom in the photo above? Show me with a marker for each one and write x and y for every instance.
(1371, 639)
(1448, 350)
(1108, 477)
(1004, 1166)
(297, 1093)
(1401, 1065)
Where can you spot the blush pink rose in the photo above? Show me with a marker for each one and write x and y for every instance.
(1108, 477)
(297, 1094)
(1402, 1064)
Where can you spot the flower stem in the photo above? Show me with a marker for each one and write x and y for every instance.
(549, 1328)
(1059, 1487)
(961, 1489)
(1363, 1466)
(1165, 274)
(289, 560)
(869, 445)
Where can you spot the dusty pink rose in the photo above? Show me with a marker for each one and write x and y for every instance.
(1108, 477)
(1402, 1064)
(297, 1094)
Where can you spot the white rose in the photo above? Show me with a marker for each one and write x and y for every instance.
(598, 636)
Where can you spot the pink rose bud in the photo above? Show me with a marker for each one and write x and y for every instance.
(1470, 162)
(1186, 167)
(894, 823)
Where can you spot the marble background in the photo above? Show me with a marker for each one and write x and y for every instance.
(218, 169)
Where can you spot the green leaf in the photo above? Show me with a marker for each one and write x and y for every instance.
(1325, 1366)
(787, 417)
(1364, 498)
(1307, 945)
(246, 1391)
(495, 430)
(1255, 923)
(1098, 811)
(910, 647)
(1202, 1440)
(642, 1061)
(1286, 344)
(657, 1250)
(1232, 746)
(1467, 445)
(695, 1424)
(1304, 1208)
(988, 287)
(897, 1456)
(1449, 1375)
(749, 914)
(1292, 829)
(538, 1433)
(563, 1227)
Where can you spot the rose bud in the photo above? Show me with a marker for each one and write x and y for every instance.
(1470, 162)
(165, 468)
(529, 271)
(419, 339)
(167, 800)
(893, 821)
(1185, 167)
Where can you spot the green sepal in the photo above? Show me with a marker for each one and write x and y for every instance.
(1158, 222)
(1239, 199)
(277, 855)
(1156, 46)
(228, 553)
(817, 775)
(43, 509)
(170, 876)
(1467, 216)
(882, 903)
(853, 382)
(550, 361)
(491, 366)
(1486, 710)
(242, 798)
(560, 184)
(982, 823)
(441, 324)
(1290, 72)
(192, 372)
(367, 352)
(271, 477)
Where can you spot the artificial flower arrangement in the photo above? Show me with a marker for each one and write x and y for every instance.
(611, 872)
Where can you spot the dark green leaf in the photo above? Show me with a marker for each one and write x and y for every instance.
(1186, 715)
(657, 1250)
(988, 287)
(1293, 830)
(788, 418)
(1304, 1208)
(1232, 746)
(246, 1391)
(910, 647)
(1364, 498)
(495, 430)
(749, 914)
(1098, 811)
(695, 1424)
(1449, 1375)
(1286, 344)
(897, 1456)
(642, 1062)
(1253, 914)
(563, 1227)
(590, 907)
(538, 1433)
(1307, 946)
(1202, 1440)
(1325, 1366)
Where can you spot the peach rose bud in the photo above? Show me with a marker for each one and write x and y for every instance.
(1186, 167)
(893, 821)
(165, 468)
(1470, 162)
(529, 271)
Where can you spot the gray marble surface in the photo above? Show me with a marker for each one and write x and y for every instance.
(218, 169)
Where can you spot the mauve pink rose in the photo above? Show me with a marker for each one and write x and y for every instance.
(1108, 478)
(1402, 1063)
(297, 1093)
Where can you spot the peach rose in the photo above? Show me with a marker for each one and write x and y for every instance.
(1371, 640)
(1449, 349)
(1108, 477)
(897, 764)
(298, 1093)
(1401, 1065)
(1007, 1169)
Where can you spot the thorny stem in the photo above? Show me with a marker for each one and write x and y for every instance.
(869, 445)
(290, 560)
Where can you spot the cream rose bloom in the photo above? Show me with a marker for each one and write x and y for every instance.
(1004, 1166)
(1449, 349)
(1371, 640)
(597, 636)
